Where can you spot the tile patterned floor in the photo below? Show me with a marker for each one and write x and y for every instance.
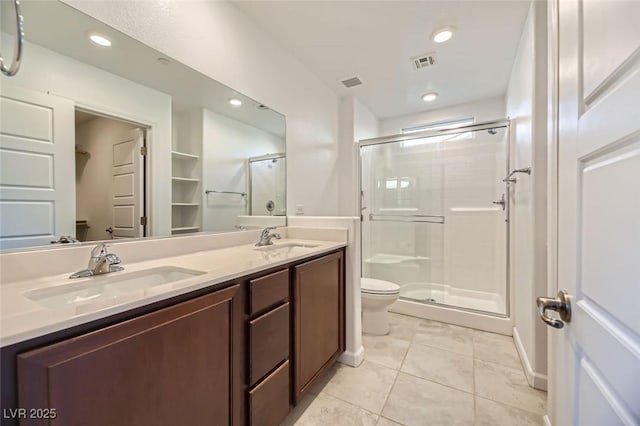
(426, 373)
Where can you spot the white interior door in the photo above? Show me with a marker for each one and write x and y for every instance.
(128, 193)
(37, 187)
(597, 353)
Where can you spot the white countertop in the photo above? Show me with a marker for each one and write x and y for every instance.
(23, 318)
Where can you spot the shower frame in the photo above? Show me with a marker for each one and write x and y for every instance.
(250, 177)
(487, 125)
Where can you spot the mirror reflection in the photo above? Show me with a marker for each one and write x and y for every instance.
(103, 137)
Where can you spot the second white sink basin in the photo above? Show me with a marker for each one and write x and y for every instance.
(102, 288)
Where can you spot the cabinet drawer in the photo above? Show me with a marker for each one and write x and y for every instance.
(269, 401)
(268, 290)
(268, 342)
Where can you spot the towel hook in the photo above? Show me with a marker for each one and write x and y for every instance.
(17, 54)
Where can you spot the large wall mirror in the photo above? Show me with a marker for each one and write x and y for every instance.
(103, 137)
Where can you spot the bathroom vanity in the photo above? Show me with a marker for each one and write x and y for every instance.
(228, 351)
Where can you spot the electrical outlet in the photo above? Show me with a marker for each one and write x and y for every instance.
(299, 209)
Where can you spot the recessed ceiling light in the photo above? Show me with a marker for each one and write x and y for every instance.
(100, 40)
(235, 102)
(442, 34)
(429, 97)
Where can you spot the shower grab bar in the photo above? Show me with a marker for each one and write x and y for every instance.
(209, 191)
(526, 170)
(406, 218)
(17, 54)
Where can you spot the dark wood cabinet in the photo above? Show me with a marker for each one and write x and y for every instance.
(241, 352)
(318, 324)
(173, 366)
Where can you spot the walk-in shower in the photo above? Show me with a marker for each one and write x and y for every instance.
(435, 214)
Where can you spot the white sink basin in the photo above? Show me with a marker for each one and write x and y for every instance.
(103, 288)
(285, 246)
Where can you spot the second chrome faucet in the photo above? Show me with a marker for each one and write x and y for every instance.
(266, 236)
(100, 262)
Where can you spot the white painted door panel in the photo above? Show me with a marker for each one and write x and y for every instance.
(597, 354)
(37, 189)
(128, 185)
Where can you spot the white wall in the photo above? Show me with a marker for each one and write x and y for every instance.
(94, 174)
(227, 144)
(482, 110)
(356, 123)
(217, 39)
(93, 89)
(526, 105)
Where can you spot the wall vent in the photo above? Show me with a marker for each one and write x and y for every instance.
(424, 61)
(350, 82)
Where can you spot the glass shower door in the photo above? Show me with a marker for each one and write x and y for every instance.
(429, 221)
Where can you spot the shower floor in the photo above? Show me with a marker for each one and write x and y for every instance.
(451, 296)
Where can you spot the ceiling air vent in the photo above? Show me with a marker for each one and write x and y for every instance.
(424, 61)
(350, 82)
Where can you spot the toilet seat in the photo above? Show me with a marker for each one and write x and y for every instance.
(380, 287)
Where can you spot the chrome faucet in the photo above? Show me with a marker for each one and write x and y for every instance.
(265, 237)
(100, 262)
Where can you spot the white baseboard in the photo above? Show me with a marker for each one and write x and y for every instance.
(353, 359)
(536, 380)
(545, 420)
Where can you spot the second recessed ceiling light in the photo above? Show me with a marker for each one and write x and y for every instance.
(442, 34)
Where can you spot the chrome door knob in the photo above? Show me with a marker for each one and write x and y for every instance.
(560, 304)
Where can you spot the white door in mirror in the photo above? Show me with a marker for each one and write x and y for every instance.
(36, 167)
(128, 185)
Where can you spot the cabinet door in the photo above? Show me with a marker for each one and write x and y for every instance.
(318, 319)
(169, 367)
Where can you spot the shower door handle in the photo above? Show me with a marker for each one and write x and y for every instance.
(501, 202)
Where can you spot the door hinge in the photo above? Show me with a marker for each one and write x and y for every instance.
(143, 151)
(143, 220)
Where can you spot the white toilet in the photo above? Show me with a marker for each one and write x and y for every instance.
(377, 295)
